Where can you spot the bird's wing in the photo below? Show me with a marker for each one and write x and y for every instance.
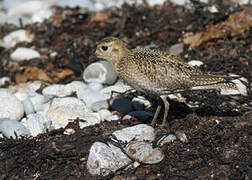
(166, 71)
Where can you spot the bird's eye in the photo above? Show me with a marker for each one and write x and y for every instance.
(104, 48)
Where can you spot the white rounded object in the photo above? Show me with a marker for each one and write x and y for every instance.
(143, 152)
(38, 101)
(195, 63)
(101, 72)
(57, 90)
(22, 53)
(12, 128)
(104, 159)
(11, 39)
(64, 110)
(138, 132)
(28, 106)
(166, 139)
(91, 96)
(38, 124)
(10, 106)
(119, 87)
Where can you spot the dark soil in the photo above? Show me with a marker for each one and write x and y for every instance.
(218, 130)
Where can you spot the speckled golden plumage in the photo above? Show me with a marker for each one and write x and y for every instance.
(156, 72)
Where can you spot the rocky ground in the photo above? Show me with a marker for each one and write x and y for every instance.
(218, 128)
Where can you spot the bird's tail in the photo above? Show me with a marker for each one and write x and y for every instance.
(206, 81)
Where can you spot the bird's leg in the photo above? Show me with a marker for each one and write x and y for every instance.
(167, 107)
(155, 116)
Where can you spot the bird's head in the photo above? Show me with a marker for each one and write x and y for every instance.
(111, 49)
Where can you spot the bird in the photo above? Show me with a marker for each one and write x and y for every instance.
(156, 73)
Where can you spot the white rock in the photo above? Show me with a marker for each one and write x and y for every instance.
(21, 94)
(57, 90)
(4, 80)
(61, 90)
(69, 108)
(104, 159)
(138, 132)
(27, 8)
(14, 20)
(77, 3)
(242, 89)
(12, 128)
(28, 106)
(76, 86)
(112, 118)
(97, 106)
(34, 85)
(181, 136)
(38, 124)
(156, 2)
(166, 139)
(122, 105)
(104, 114)
(142, 100)
(96, 86)
(22, 53)
(180, 2)
(7, 4)
(118, 87)
(195, 63)
(91, 96)
(41, 15)
(101, 72)
(10, 106)
(143, 152)
(213, 9)
(11, 39)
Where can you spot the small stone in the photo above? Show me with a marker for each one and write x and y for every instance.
(39, 101)
(69, 131)
(38, 124)
(112, 118)
(242, 89)
(104, 159)
(138, 132)
(136, 105)
(97, 106)
(140, 115)
(104, 113)
(166, 139)
(12, 128)
(10, 106)
(76, 86)
(195, 63)
(101, 72)
(181, 136)
(64, 110)
(4, 81)
(95, 86)
(141, 100)
(176, 49)
(119, 87)
(91, 96)
(143, 152)
(28, 106)
(122, 105)
(57, 90)
(11, 39)
(23, 53)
